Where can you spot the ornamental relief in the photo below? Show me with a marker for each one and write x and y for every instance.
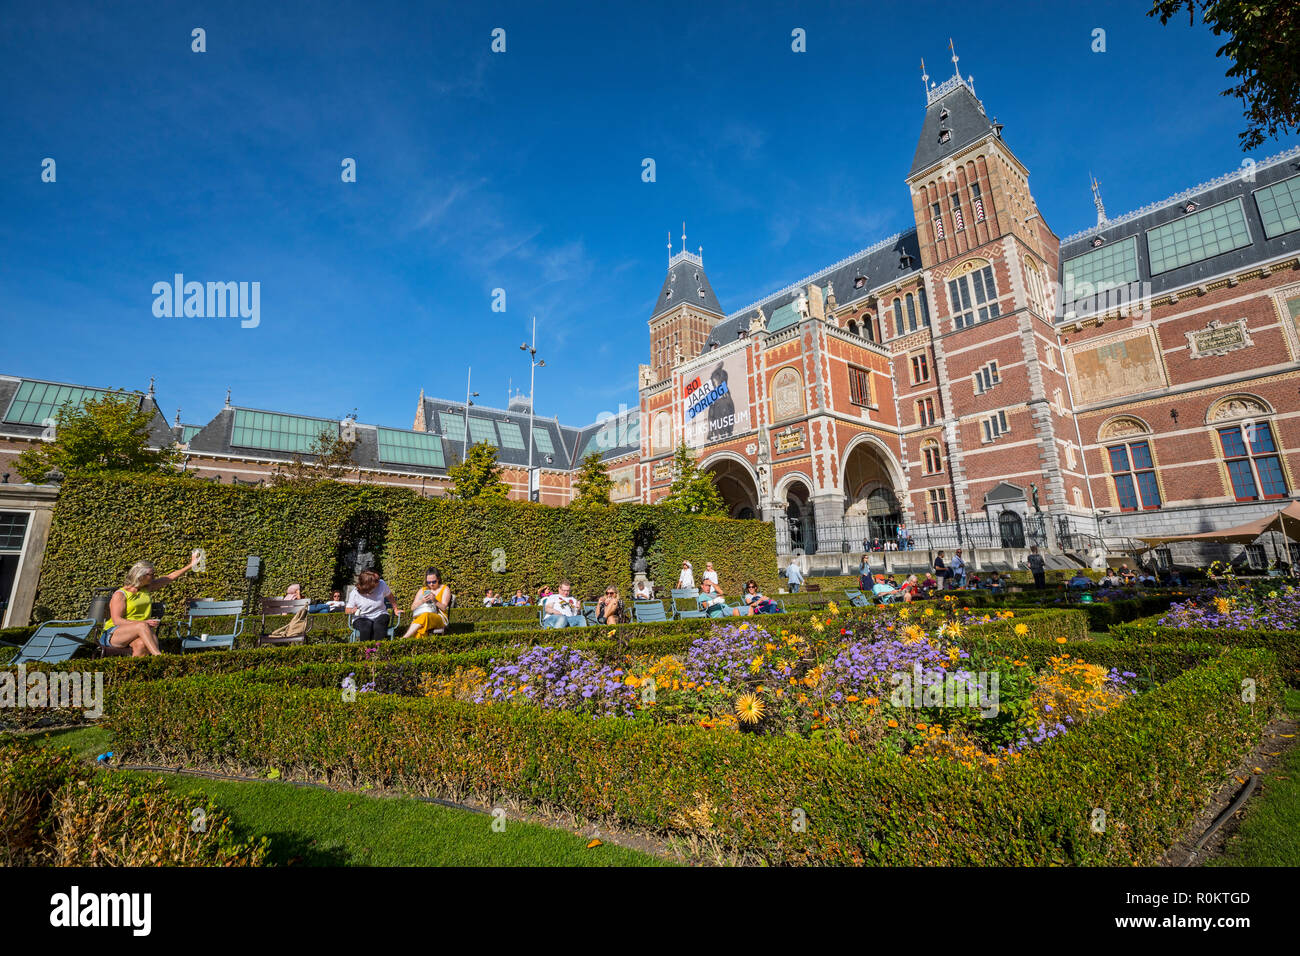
(787, 394)
(1218, 338)
(1239, 406)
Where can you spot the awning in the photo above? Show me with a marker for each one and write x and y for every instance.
(1286, 520)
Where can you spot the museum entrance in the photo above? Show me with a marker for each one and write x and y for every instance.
(736, 485)
(872, 510)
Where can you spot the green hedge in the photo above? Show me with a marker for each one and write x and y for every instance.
(102, 525)
(1284, 644)
(1150, 765)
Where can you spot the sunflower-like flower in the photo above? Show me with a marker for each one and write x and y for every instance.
(1022, 629)
(749, 708)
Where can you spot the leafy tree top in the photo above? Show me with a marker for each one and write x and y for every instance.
(692, 491)
(592, 483)
(478, 476)
(328, 458)
(109, 432)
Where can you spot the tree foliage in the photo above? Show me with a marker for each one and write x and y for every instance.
(109, 432)
(692, 491)
(328, 459)
(1264, 47)
(478, 476)
(593, 483)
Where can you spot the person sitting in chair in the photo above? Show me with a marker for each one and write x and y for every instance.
(610, 607)
(368, 603)
(714, 604)
(130, 607)
(643, 591)
(431, 607)
(562, 609)
(335, 603)
(887, 594)
(757, 603)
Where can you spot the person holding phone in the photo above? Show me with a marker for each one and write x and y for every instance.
(431, 607)
(130, 608)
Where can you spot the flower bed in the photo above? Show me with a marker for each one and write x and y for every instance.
(1149, 764)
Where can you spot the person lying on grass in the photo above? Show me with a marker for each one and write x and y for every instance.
(130, 607)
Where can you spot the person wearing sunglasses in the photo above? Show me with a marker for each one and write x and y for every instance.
(757, 602)
(431, 607)
(609, 609)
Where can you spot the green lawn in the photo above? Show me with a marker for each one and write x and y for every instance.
(1270, 831)
(310, 827)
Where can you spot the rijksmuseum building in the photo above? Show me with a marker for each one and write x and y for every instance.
(975, 379)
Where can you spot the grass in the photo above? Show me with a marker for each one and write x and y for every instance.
(1269, 834)
(309, 827)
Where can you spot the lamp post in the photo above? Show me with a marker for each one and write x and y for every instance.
(533, 365)
(469, 402)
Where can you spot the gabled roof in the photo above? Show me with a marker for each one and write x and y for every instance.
(26, 402)
(686, 282)
(954, 107)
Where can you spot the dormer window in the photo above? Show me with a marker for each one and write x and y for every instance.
(943, 113)
(859, 281)
(668, 294)
(1097, 241)
(701, 293)
(905, 260)
(945, 134)
(1189, 207)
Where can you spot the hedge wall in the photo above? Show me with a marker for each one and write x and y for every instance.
(102, 525)
(1150, 765)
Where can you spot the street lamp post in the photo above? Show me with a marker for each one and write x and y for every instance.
(469, 402)
(533, 365)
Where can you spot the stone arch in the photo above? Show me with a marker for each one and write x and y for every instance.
(970, 265)
(1239, 407)
(1121, 426)
(737, 483)
(891, 464)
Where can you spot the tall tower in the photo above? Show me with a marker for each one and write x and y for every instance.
(990, 262)
(684, 313)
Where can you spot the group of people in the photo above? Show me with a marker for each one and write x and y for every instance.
(902, 541)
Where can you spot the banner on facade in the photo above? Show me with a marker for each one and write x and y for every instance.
(715, 401)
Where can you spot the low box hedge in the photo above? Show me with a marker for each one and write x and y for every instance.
(56, 811)
(1284, 644)
(1150, 765)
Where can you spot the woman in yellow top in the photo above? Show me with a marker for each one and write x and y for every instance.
(430, 609)
(129, 609)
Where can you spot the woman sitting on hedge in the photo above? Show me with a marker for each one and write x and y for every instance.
(431, 608)
(368, 604)
(130, 607)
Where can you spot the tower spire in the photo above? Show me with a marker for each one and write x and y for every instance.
(1096, 200)
(670, 248)
(925, 77)
(683, 235)
(955, 72)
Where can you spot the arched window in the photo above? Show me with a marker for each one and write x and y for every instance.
(911, 313)
(853, 327)
(931, 457)
(898, 317)
(1132, 464)
(1034, 283)
(869, 327)
(1250, 451)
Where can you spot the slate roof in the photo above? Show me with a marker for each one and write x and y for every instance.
(853, 278)
(1229, 187)
(159, 431)
(215, 438)
(686, 282)
(965, 122)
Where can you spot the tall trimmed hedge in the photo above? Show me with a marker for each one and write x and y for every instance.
(102, 525)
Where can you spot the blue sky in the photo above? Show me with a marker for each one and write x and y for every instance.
(520, 171)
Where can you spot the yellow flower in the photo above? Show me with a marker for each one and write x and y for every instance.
(893, 723)
(1060, 640)
(755, 664)
(749, 708)
(1022, 629)
(743, 627)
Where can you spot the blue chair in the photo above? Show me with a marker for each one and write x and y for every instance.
(354, 635)
(685, 594)
(648, 612)
(54, 642)
(190, 641)
(858, 599)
